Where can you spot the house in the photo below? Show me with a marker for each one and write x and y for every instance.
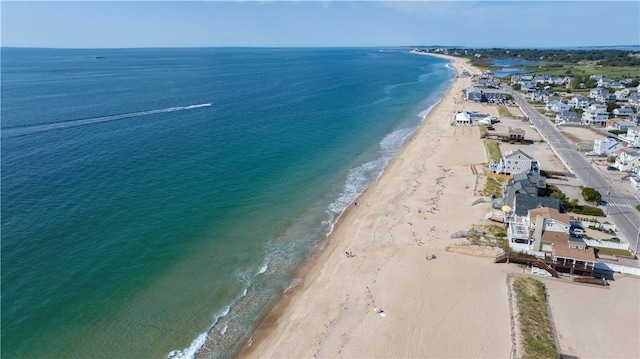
(623, 112)
(632, 137)
(515, 161)
(557, 106)
(568, 118)
(597, 92)
(530, 183)
(628, 160)
(523, 203)
(579, 102)
(595, 117)
(462, 118)
(573, 260)
(605, 146)
(597, 107)
(604, 82)
(538, 228)
(621, 125)
(468, 117)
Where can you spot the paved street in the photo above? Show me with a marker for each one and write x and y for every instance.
(621, 210)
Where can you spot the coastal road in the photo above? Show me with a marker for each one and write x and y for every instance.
(620, 206)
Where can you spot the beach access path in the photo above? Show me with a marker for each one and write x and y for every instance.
(453, 306)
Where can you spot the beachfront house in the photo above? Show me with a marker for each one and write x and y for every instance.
(538, 229)
(628, 160)
(605, 146)
(469, 117)
(573, 261)
(515, 161)
(481, 94)
(530, 183)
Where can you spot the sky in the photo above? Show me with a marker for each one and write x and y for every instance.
(506, 24)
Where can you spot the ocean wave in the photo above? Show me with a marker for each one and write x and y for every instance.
(28, 130)
(192, 350)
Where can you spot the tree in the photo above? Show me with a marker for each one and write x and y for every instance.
(591, 195)
(611, 106)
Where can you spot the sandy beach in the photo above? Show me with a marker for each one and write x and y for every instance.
(455, 306)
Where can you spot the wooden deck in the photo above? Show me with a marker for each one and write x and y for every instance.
(554, 268)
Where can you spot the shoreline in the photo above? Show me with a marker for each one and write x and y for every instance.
(322, 305)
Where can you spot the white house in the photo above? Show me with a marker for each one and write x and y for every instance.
(595, 117)
(605, 146)
(515, 161)
(462, 118)
(579, 102)
(632, 137)
(628, 160)
(557, 106)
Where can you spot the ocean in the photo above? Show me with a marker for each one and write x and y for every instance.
(156, 201)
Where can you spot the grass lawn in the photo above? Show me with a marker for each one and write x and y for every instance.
(613, 251)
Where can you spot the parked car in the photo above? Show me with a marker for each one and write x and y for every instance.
(615, 239)
(577, 231)
(611, 168)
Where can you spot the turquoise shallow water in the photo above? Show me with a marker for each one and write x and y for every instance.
(155, 201)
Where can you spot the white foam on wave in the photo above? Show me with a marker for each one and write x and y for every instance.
(191, 351)
(423, 114)
(263, 268)
(361, 177)
(27, 130)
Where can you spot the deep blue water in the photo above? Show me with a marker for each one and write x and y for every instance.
(155, 201)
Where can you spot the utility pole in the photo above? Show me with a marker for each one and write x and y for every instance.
(608, 198)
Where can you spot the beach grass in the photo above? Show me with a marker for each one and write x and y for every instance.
(493, 150)
(493, 186)
(504, 111)
(535, 329)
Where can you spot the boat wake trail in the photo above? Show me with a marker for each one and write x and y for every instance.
(28, 130)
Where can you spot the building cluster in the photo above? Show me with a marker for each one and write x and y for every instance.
(570, 110)
(623, 145)
(486, 88)
(537, 225)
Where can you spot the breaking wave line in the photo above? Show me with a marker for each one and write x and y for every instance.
(28, 130)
